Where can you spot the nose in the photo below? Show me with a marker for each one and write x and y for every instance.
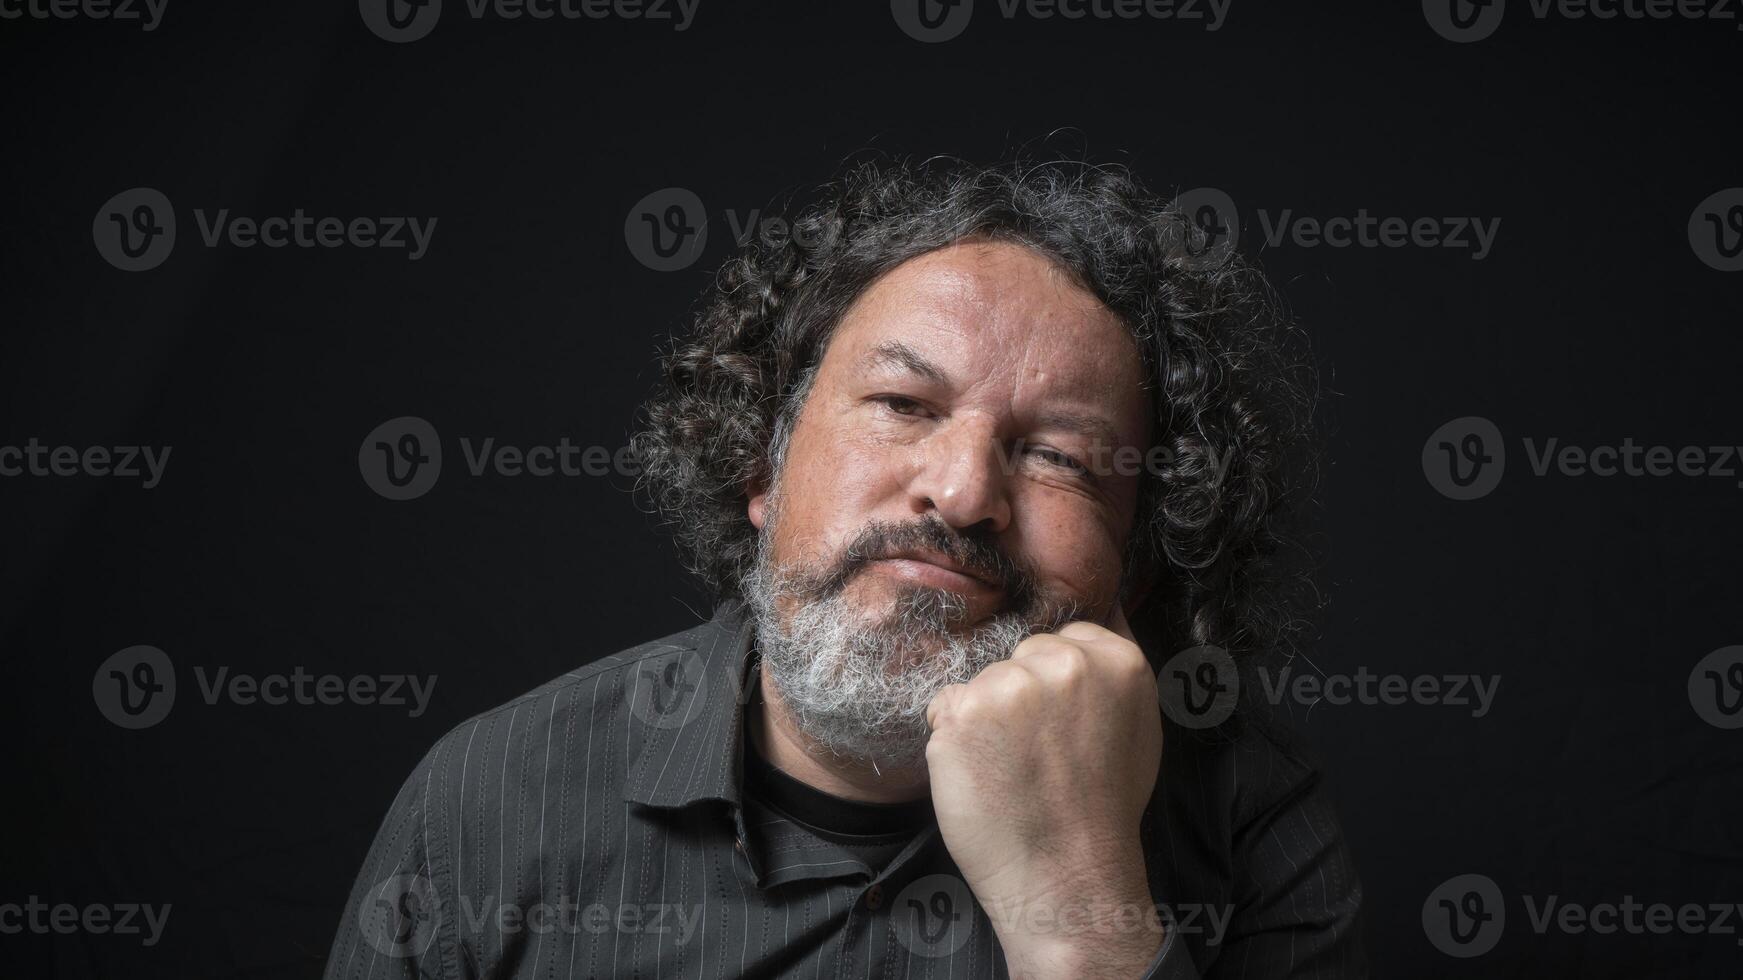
(961, 477)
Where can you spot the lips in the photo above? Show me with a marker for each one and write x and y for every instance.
(913, 563)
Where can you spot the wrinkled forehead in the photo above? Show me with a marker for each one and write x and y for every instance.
(993, 317)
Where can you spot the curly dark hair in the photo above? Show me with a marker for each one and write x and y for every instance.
(1231, 387)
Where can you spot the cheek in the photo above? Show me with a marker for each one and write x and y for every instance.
(833, 485)
(1073, 548)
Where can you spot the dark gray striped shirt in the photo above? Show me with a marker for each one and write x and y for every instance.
(596, 827)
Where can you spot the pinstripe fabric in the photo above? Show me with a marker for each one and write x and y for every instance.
(594, 828)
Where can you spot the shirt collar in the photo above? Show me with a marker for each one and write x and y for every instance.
(687, 703)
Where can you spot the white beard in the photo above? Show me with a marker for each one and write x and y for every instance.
(860, 687)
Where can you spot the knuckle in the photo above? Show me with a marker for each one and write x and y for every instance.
(1071, 663)
(1132, 661)
(1035, 643)
(1081, 629)
(1010, 686)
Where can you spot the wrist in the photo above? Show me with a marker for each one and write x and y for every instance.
(1126, 956)
(1111, 934)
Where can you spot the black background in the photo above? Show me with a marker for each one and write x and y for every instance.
(529, 320)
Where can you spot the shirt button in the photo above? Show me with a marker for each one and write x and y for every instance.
(874, 897)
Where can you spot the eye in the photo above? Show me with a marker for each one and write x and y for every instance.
(901, 405)
(1054, 457)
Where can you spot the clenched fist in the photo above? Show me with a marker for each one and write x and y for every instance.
(1041, 767)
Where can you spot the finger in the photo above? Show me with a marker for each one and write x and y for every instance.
(1084, 631)
(1089, 632)
(1041, 643)
(942, 702)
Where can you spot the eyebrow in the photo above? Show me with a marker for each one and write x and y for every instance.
(1093, 426)
(898, 354)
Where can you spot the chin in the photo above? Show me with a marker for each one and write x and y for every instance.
(923, 615)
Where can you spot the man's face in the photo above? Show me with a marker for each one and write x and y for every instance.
(952, 466)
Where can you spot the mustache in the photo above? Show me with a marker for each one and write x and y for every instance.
(975, 552)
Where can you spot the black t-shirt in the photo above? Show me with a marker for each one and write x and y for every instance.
(795, 813)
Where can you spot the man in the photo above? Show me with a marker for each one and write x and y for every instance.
(938, 451)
